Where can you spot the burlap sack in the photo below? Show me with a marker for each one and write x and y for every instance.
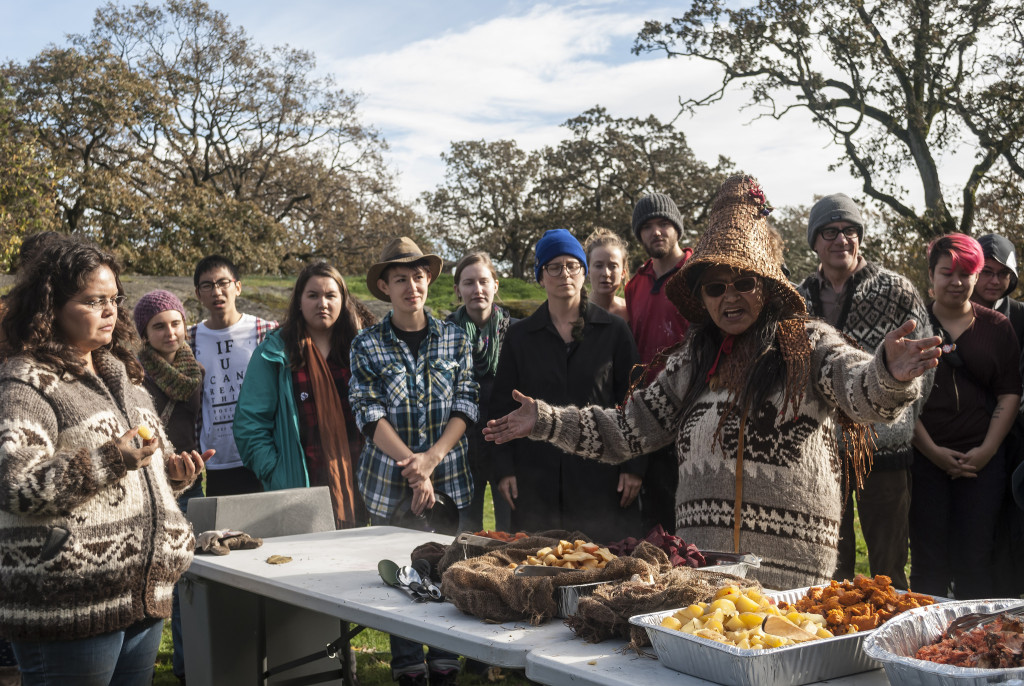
(486, 587)
(605, 614)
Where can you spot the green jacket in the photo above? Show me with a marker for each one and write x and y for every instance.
(266, 425)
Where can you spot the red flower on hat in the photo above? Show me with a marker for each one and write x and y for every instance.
(758, 195)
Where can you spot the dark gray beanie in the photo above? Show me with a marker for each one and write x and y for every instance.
(656, 205)
(833, 208)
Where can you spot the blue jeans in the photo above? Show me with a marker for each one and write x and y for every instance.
(406, 655)
(178, 654)
(118, 658)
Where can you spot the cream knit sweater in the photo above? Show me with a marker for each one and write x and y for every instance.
(791, 468)
(127, 541)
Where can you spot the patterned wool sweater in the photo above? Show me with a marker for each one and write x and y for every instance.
(791, 467)
(127, 541)
(878, 301)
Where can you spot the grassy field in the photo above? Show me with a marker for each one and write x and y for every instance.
(522, 297)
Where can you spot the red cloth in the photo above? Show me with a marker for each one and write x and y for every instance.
(654, 320)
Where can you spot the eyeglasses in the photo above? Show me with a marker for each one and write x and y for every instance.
(222, 285)
(99, 304)
(831, 233)
(571, 268)
(1002, 274)
(716, 289)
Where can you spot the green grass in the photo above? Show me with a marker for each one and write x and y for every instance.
(520, 296)
(861, 565)
(373, 650)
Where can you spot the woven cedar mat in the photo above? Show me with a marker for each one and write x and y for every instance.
(485, 586)
(605, 614)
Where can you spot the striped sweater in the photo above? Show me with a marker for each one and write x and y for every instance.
(791, 468)
(127, 542)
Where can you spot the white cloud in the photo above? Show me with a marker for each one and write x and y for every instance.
(463, 69)
(521, 76)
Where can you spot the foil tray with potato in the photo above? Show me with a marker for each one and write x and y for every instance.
(791, 665)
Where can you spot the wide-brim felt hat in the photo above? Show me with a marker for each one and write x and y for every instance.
(400, 251)
(736, 236)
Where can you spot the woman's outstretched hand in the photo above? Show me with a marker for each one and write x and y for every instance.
(908, 358)
(517, 424)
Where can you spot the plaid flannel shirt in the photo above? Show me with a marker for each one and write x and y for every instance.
(417, 398)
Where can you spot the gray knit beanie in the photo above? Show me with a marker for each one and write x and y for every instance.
(833, 208)
(656, 205)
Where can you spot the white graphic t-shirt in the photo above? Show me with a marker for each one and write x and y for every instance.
(224, 353)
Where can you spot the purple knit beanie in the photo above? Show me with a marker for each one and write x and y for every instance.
(152, 304)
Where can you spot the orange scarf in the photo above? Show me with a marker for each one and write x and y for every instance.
(334, 446)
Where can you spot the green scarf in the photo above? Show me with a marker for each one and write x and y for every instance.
(486, 342)
(178, 380)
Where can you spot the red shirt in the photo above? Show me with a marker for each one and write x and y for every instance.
(655, 321)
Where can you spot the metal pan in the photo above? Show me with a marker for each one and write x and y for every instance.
(541, 570)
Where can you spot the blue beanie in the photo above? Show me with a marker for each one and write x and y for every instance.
(557, 242)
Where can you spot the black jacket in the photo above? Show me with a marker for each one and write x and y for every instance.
(1014, 311)
(558, 490)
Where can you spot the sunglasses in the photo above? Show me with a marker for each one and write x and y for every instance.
(716, 289)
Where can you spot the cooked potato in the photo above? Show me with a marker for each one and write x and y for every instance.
(735, 617)
(577, 554)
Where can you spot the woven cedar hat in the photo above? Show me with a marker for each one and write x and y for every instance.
(737, 236)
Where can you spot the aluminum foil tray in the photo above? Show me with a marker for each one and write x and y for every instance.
(478, 541)
(730, 563)
(895, 642)
(787, 666)
(568, 597)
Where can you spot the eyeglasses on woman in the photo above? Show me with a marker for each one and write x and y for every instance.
(98, 304)
(571, 268)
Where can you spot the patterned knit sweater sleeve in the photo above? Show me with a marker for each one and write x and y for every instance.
(44, 470)
(883, 301)
(648, 421)
(842, 376)
(854, 381)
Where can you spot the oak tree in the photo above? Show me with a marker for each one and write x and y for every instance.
(177, 135)
(897, 83)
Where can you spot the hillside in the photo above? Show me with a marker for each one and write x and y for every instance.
(267, 296)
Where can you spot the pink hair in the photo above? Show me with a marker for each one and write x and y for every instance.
(964, 252)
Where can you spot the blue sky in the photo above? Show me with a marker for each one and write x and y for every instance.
(433, 72)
